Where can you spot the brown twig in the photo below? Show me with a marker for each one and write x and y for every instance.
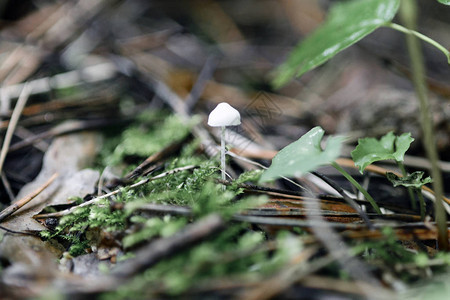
(23, 98)
(20, 203)
(167, 209)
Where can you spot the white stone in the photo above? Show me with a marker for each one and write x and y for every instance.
(224, 115)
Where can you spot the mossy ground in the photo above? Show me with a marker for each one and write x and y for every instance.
(241, 253)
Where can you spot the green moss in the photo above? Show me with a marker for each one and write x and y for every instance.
(234, 253)
(72, 228)
(250, 176)
(193, 188)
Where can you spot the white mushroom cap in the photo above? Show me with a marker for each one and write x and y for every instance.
(224, 115)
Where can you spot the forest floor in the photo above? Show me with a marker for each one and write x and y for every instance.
(105, 143)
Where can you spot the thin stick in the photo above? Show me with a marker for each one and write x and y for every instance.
(18, 204)
(97, 199)
(23, 98)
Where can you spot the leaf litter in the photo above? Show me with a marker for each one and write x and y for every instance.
(166, 229)
(67, 157)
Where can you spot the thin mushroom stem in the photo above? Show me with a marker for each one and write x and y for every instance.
(222, 154)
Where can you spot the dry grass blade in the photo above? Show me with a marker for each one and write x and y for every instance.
(115, 192)
(23, 98)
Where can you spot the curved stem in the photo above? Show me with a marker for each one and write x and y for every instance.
(420, 36)
(358, 186)
(421, 203)
(349, 200)
(222, 154)
(401, 166)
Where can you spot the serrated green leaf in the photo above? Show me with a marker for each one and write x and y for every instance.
(412, 180)
(303, 155)
(347, 23)
(446, 2)
(370, 150)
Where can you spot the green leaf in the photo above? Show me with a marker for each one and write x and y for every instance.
(412, 180)
(347, 23)
(370, 150)
(303, 155)
(446, 2)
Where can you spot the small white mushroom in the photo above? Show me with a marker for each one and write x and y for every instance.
(223, 115)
